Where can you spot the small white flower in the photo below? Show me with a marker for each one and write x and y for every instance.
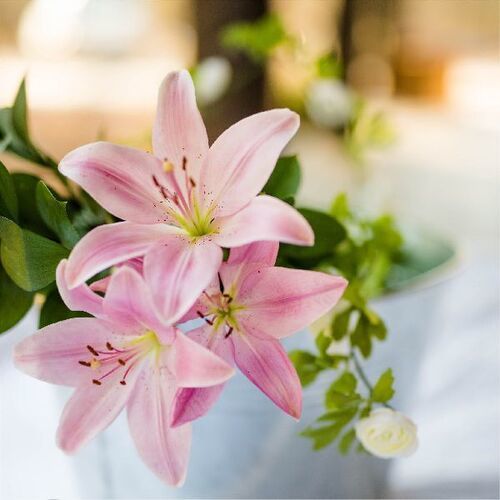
(211, 79)
(386, 434)
(329, 103)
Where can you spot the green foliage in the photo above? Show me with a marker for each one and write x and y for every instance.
(383, 390)
(329, 66)
(28, 258)
(14, 302)
(285, 179)
(328, 233)
(54, 310)
(29, 217)
(340, 324)
(256, 39)
(346, 441)
(14, 132)
(367, 129)
(306, 366)
(53, 213)
(8, 197)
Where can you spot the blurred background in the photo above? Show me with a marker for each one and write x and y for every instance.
(400, 105)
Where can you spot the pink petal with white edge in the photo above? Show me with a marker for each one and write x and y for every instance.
(81, 298)
(192, 403)
(164, 450)
(178, 130)
(91, 409)
(178, 270)
(120, 179)
(196, 366)
(53, 353)
(129, 303)
(264, 219)
(266, 364)
(241, 160)
(111, 244)
(281, 301)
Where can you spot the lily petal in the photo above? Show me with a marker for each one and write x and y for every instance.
(196, 366)
(81, 298)
(163, 449)
(241, 160)
(192, 403)
(178, 270)
(178, 131)
(264, 219)
(53, 353)
(260, 252)
(111, 244)
(266, 364)
(120, 179)
(129, 303)
(91, 409)
(282, 301)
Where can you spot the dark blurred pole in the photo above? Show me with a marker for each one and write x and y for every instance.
(345, 30)
(247, 92)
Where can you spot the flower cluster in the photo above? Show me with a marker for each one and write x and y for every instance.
(179, 208)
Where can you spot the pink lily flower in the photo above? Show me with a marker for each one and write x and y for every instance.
(185, 201)
(247, 311)
(123, 357)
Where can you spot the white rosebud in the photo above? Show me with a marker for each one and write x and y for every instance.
(386, 434)
(329, 103)
(211, 79)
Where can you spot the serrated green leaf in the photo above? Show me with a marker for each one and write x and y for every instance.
(14, 302)
(284, 182)
(54, 310)
(8, 197)
(346, 441)
(323, 436)
(305, 364)
(383, 390)
(345, 384)
(28, 258)
(340, 324)
(54, 214)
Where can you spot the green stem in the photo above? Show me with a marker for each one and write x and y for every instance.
(364, 378)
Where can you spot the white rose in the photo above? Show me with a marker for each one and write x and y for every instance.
(211, 79)
(386, 434)
(329, 103)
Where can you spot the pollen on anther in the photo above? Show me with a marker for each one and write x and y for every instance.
(123, 382)
(121, 362)
(84, 363)
(96, 382)
(109, 346)
(92, 350)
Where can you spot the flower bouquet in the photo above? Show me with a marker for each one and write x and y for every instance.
(162, 272)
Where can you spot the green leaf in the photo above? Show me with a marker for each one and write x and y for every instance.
(345, 384)
(340, 207)
(54, 310)
(341, 393)
(346, 441)
(29, 217)
(340, 324)
(383, 390)
(361, 336)
(256, 39)
(28, 258)
(329, 66)
(285, 179)
(8, 197)
(322, 342)
(323, 436)
(305, 364)
(54, 214)
(328, 233)
(19, 113)
(14, 302)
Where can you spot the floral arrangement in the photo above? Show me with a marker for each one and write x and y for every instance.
(143, 243)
